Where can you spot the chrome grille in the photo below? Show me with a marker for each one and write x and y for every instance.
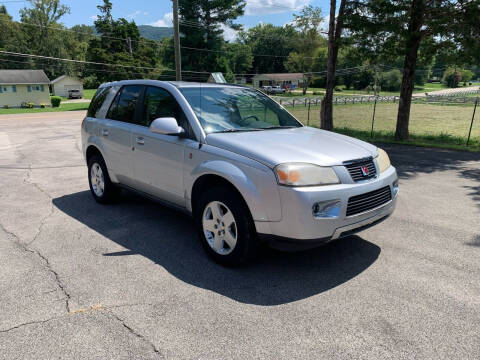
(357, 170)
(368, 201)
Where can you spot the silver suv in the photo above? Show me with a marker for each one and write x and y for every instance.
(238, 162)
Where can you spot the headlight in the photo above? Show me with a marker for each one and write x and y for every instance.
(297, 174)
(383, 160)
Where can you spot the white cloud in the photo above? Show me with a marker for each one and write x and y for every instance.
(263, 7)
(166, 21)
(133, 15)
(228, 33)
(136, 13)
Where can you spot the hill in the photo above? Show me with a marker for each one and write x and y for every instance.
(154, 32)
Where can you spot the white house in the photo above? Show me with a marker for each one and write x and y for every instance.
(64, 83)
(283, 80)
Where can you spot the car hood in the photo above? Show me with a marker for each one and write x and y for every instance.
(303, 144)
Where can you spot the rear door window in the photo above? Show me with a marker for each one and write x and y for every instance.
(125, 104)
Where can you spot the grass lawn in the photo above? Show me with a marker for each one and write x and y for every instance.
(437, 125)
(63, 107)
(87, 94)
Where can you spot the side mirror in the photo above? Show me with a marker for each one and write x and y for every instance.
(166, 126)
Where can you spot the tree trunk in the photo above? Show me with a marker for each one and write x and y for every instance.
(408, 81)
(306, 83)
(334, 35)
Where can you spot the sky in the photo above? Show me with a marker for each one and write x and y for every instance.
(159, 12)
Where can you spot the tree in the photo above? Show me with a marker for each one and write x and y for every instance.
(308, 23)
(335, 29)
(269, 44)
(467, 75)
(43, 15)
(406, 25)
(238, 57)
(119, 43)
(200, 27)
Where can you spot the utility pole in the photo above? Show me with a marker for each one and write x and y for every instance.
(176, 40)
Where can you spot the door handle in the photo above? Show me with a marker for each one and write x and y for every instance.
(140, 140)
(104, 132)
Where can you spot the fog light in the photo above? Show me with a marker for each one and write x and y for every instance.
(395, 188)
(327, 209)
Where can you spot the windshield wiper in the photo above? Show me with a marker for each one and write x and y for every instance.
(279, 127)
(235, 130)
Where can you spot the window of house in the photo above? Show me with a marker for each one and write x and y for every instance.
(8, 88)
(35, 88)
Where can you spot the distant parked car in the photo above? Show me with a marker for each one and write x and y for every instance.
(273, 90)
(266, 89)
(277, 90)
(74, 94)
(245, 169)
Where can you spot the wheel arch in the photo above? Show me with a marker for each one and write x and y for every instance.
(92, 150)
(217, 172)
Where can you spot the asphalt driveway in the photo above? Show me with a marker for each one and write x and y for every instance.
(130, 281)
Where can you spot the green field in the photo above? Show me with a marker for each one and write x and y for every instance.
(62, 107)
(437, 125)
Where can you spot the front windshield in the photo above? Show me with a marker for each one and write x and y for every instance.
(225, 109)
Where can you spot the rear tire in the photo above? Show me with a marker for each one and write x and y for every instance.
(101, 187)
(225, 227)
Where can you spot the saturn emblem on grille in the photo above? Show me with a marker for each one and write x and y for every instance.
(365, 171)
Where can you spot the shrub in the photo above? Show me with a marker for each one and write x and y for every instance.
(452, 77)
(91, 82)
(391, 80)
(318, 82)
(28, 105)
(43, 106)
(6, 107)
(56, 100)
(337, 89)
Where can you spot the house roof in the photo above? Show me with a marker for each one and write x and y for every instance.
(63, 77)
(282, 77)
(23, 77)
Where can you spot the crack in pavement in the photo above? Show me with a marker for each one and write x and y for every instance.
(29, 323)
(28, 180)
(46, 262)
(137, 334)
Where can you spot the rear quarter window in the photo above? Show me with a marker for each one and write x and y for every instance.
(97, 101)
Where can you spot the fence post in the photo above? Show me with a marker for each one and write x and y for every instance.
(471, 123)
(373, 117)
(308, 116)
(293, 102)
(280, 101)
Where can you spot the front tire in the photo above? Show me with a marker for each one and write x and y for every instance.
(101, 187)
(225, 227)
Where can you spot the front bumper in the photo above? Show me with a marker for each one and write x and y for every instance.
(299, 226)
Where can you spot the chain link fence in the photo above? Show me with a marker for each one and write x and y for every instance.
(451, 119)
